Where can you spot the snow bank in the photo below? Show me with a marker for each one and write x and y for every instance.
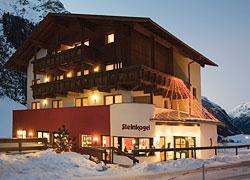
(7, 105)
(49, 165)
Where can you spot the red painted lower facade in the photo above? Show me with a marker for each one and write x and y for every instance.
(91, 120)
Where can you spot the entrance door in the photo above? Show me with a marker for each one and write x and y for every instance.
(184, 142)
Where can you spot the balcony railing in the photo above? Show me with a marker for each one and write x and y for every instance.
(127, 78)
(64, 58)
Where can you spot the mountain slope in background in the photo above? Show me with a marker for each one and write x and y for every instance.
(17, 20)
(240, 116)
(227, 128)
(7, 105)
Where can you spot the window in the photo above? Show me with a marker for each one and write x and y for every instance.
(37, 81)
(87, 140)
(109, 38)
(79, 102)
(21, 134)
(194, 93)
(118, 99)
(109, 67)
(85, 72)
(109, 100)
(79, 73)
(113, 99)
(43, 134)
(35, 105)
(86, 43)
(59, 77)
(56, 103)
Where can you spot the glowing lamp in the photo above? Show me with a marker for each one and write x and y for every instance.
(69, 74)
(95, 139)
(45, 102)
(30, 134)
(246, 137)
(97, 69)
(95, 98)
(46, 79)
(133, 141)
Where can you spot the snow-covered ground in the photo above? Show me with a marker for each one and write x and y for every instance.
(6, 107)
(49, 165)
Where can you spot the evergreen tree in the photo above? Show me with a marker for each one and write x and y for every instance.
(63, 142)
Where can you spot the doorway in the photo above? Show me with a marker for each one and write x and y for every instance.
(184, 142)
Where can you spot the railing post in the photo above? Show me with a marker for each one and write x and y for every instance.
(19, 145)
(215, 151)
(112, 155)
(165, 154)
(105, 156)
(134, 162)
(236, 151)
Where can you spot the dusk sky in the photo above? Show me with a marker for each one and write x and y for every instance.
(220, 30)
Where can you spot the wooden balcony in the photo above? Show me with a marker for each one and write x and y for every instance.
(66, 58)
(128, 78)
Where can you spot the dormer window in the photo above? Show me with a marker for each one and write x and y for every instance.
(109, 38)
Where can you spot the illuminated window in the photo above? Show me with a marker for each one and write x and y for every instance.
(109, 100)
(79, 73)
(118, 99)
(43, 134)
(21, 134)
(109, 67)
(37, 81)
(56, 103)
(110, 38)
(79, 102)
(35, 105)
(86, 43)
(59, 77)
(87, 140)
(86, 72)
(113, 99)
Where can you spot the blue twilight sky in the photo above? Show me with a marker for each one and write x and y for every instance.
(219, 30)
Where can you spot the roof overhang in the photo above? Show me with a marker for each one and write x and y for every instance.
(50, 24)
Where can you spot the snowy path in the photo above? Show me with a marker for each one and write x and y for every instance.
(235, 171)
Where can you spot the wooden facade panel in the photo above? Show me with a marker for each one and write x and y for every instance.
(140, 49)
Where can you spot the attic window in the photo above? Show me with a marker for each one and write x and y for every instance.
(109, 38)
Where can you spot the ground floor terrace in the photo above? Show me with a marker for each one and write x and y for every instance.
(125, 126)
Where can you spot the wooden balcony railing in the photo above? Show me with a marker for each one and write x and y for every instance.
(64, 58)
(127, 78)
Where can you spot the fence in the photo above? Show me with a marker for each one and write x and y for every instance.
(8, 145)
(194, 149)
(135, 152)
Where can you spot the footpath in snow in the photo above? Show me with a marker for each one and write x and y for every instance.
(50, 165)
